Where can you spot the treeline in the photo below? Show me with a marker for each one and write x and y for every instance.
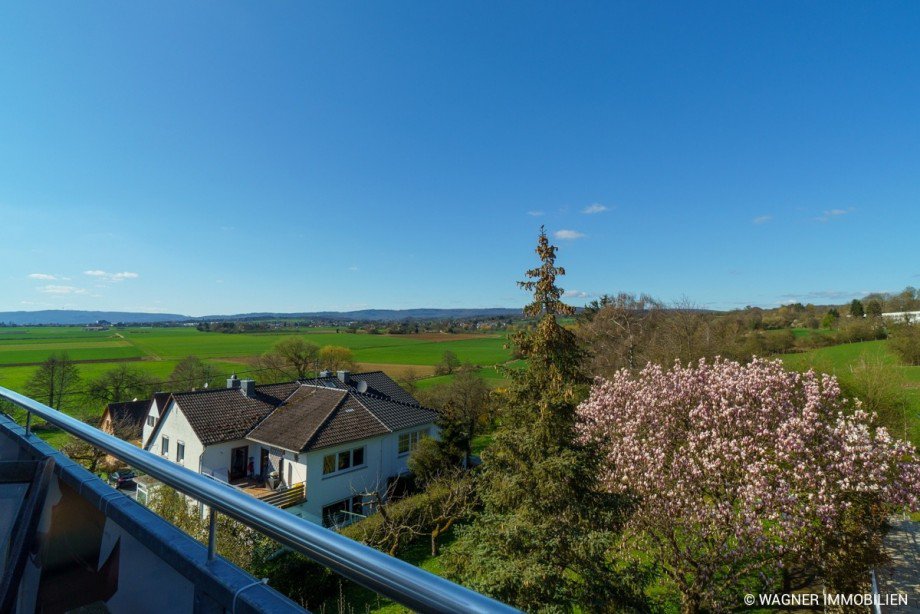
(58, 382)
(628, 331)
(403, 327)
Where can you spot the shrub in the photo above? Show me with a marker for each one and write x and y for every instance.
(853, 330)
(905, 341)
(429, 460)
(880, 388)
(397, 523)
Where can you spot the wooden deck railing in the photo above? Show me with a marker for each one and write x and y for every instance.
(287, 498)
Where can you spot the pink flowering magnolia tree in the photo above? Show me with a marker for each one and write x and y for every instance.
(744, 474)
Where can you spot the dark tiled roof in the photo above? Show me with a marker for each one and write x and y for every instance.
(228, 414)
(397, 416)
(131, 415)
(378, 383)
(161, 398)
(296, 416)
(292, 424)
(319, 416)
(351, 421)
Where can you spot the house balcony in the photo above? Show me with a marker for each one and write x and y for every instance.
(283, 497)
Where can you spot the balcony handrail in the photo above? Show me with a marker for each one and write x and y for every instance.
(404, 583)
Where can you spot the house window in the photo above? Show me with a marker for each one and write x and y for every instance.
(331, 511)
(180, 451)
(151, 421)
(346, 459)
(329, 464)
(164, 446)
(409, 441)
(340, 513)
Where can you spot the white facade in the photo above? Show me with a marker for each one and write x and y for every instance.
(176, 430)
(382, 461)
(910, 317)
(155, 412)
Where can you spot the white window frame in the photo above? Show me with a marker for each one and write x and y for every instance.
(180, 444)
(164, 445)
(413, 437)
(351, 461)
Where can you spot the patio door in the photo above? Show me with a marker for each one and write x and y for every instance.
(263, 464)
(238, 458)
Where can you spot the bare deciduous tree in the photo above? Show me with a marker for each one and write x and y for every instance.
(291, 358)
(123, 383)
(191, 373)
(336, 358)
(450, 499)
(88, 455)
(54, 380)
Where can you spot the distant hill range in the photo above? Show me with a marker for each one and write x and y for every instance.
(78, 318)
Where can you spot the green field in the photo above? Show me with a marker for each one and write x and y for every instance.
(157, 350)
(840, 360)
(32, 345)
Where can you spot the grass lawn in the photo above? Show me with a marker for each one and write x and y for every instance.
(839, 360)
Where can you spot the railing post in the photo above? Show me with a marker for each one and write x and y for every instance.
(212, 533)
(28, 423)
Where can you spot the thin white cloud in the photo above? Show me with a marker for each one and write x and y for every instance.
(353, 268)
(42, 276)
(762, 219)
(834, 213)
(535, 213)
(820, 295)
(568, 235)
(111, 277)
(578, 294)
(55, 289)
(594, 208)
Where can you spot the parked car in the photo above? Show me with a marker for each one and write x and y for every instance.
(123, 478)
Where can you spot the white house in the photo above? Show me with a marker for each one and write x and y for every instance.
(333, 437)
(908, 317)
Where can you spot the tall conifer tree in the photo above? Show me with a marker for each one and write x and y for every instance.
(542, 539)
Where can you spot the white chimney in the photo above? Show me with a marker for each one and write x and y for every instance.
(248, 387)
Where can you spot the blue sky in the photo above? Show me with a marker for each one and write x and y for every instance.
(228, 157)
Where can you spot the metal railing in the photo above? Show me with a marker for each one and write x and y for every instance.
(404, 583)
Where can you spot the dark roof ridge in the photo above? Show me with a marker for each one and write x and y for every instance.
(371, 411)
(204, 390)
(392, 400)
(286, 399)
